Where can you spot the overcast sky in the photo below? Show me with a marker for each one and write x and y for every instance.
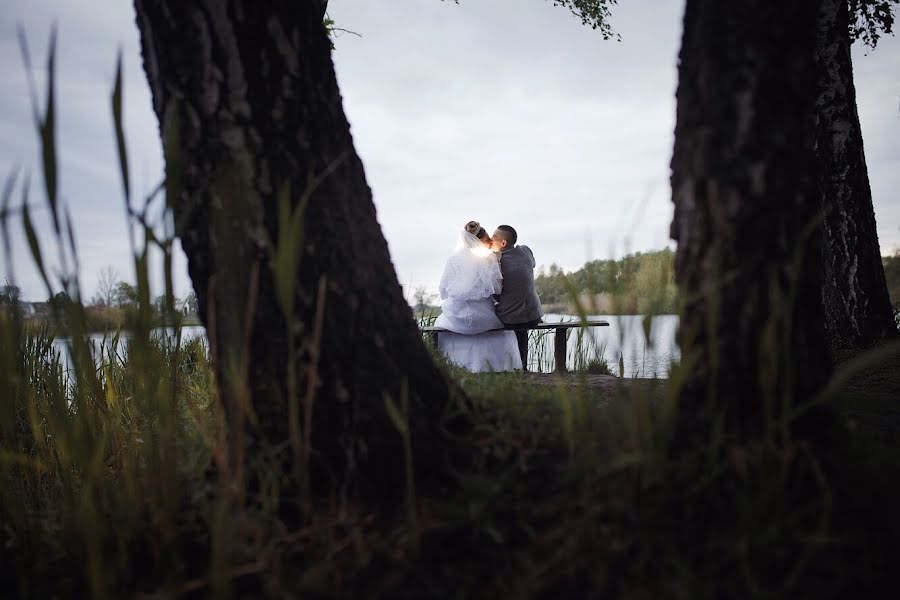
(504, 111)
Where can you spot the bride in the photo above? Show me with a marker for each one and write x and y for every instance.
(471, 279)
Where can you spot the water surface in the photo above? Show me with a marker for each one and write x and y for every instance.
(625, 344)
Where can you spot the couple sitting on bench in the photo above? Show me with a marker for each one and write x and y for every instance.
(488, 283)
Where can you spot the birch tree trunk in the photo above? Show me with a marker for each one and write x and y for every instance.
(312, 338)
(858, 312)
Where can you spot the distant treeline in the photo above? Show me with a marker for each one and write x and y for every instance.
(120, 309)
(638, 283)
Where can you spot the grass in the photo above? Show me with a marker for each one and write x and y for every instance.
(107, 487)
(105, 493)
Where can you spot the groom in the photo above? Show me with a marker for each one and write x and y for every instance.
(518, 303)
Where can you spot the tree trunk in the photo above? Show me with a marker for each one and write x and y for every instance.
(858, 311)
(746, 216)
(251, 115)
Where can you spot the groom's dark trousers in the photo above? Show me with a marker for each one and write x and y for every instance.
(522, 339)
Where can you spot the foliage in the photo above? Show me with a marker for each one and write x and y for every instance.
(593, 13)
(60, 302)
(88, 449)
(89, 433)
(870, 18)
(568, 491)
(640, 283)
(597, 366)
(126, 294)
(334, 31)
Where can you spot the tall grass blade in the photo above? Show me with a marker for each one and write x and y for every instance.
(73, 246)
(172, 153)
(29, 74)
(48, 135)
(8, 188)
(33, 244)
(116, 101)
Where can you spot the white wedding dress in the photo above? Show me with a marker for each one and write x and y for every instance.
(471, 277)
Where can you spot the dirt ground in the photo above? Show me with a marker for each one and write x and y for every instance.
(605, 383)
(870, 399)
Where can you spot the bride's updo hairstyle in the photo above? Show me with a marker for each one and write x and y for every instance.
(475, 228)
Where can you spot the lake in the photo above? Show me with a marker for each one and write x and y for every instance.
(101, 340)
(641, 356)
(625, 339)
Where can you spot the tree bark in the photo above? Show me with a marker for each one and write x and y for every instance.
(858, 311)
(746, 217)
(250, 114)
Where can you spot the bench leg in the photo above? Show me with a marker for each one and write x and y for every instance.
(559, 348)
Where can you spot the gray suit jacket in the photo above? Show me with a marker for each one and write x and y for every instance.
(518, 302)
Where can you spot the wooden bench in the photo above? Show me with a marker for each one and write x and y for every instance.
(559, 342)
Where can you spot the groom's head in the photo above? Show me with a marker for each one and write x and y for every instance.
(504, 237)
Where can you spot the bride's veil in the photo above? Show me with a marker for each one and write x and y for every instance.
(472, 271)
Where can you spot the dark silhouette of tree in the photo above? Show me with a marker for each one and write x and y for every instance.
(747, 216)
(314, 347)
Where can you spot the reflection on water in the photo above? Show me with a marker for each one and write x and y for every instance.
(642, 353)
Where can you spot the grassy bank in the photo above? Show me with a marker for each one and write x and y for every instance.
(570, 492)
